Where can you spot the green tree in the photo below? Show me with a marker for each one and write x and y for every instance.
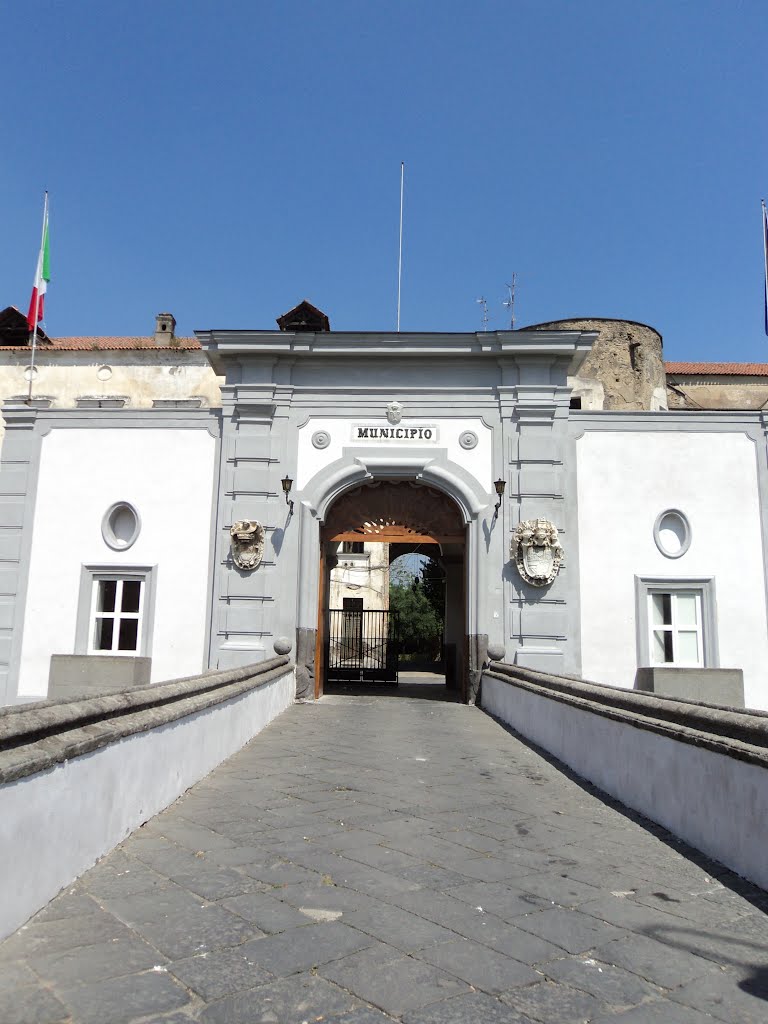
(432, 581)
(420, 629)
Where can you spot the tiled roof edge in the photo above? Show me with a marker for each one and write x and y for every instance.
(719, 369)
(107, 344)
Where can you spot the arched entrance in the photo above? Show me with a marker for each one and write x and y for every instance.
(403, 515)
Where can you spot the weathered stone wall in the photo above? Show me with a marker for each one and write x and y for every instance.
(140, 376)
(717, 392)
(626, 364)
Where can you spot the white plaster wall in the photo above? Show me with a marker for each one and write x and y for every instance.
(624, 481)
(86, 806)
(167, 475)
(363, 576)
(477, 461)
(716, 803)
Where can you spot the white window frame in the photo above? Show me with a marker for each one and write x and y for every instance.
(87, 614)
(704, 588)
(675, 629)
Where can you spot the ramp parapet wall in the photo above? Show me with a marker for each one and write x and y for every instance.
(698, 769)
(78, 776)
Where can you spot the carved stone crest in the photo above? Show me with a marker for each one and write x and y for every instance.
(247, 543)
(537, 551)
(394, 412)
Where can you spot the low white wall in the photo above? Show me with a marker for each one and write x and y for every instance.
(56, 824)
(716, 803)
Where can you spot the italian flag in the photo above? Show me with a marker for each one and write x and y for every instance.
(42, 276)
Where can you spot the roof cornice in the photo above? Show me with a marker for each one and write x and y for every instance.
(224, 345)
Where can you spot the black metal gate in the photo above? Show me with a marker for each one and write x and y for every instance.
(361, 646)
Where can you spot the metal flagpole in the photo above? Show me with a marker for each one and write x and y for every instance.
(38, 279)
(400, 256)
(765, 260)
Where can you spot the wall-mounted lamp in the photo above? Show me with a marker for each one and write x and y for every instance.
(287, 485)
(499, 486)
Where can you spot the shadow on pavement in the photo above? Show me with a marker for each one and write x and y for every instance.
(418, 685)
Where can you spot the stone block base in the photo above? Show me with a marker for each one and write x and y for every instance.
(73, 675)
(723, 686)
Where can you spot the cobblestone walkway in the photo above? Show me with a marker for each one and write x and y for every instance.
(368, 859)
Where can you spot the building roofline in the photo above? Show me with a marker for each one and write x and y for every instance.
(686, 369)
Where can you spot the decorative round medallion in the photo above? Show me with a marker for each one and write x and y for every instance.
(104, 372)
(672, 533)
(468, 439)
(120, 526)
(321, 439)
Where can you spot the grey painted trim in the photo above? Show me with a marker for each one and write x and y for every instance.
(146, 573)
(225, 346)
(572, 574)
(107, 532)
(706, 584)
(177, 403)
(761, 457)
(17, 419)
(102, 401)
(678, 420)
(179, 419)
(37, 401)
(687, 536)
(360, 465)
(219, 467)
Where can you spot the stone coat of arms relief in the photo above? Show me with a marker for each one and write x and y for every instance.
(536, 551)
(394, 412)
(247, 542)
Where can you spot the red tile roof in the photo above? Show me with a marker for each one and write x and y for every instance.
(719, 369)
(95, 344)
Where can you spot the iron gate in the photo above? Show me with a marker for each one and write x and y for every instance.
(361, 646)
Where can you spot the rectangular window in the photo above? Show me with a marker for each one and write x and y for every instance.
(352, 626)
(115, 610)
(676, 622)
(352, 547)
(117, 607)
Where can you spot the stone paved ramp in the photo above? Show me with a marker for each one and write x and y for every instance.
(369, 859)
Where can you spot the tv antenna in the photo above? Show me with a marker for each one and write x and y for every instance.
(484, 305)
(510, 302)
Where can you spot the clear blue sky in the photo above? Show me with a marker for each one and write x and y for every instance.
(223, 160)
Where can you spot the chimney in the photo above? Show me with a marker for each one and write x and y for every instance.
(165, 325)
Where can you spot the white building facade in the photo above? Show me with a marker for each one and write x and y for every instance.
(115, 525)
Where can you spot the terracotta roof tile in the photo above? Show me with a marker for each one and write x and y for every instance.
(96, 344)
(719, 369)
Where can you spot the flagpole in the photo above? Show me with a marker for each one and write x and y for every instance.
(765, 259)
(400, 256)
(37, 299)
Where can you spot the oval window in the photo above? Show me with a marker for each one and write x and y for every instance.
(120, 526)
(672, 533)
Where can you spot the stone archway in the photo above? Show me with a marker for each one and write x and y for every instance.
(394, 512)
